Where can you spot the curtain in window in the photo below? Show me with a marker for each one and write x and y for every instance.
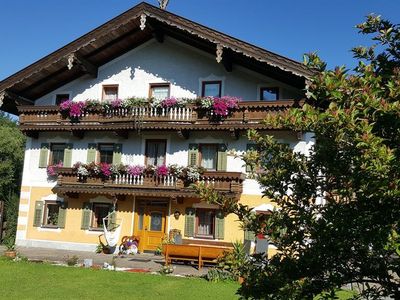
(156, 153)
(160, 92)
(205, 226)
(208, 156)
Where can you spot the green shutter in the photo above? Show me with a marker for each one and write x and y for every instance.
(91, 153)
(117, 155)
(190, 217)
(37, 219)
(62, 213)
(68, 155)
(249, 235)
(193, 156)
(222, 158)
(219, 225)
(250, 147)
(44, 155)
(86, 213)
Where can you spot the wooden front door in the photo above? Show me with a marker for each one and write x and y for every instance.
(150, 223)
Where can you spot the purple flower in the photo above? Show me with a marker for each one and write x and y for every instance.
(117, 103)
(135, 170)
(52, 170)
(65, 105)
(162, 170)
(169, 102)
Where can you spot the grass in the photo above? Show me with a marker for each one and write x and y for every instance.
(22, 280)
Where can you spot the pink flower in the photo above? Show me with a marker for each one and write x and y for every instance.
(65, 105)
(162, 170)
(105, 169)
(76, 109)
(220, 107)
(231, 102)
(135, 170)
(169, 102)
(52, 170)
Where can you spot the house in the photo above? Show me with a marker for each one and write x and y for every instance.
(147, 154)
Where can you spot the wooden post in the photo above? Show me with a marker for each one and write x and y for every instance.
(1, 219)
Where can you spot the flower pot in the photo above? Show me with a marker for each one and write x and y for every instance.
(10, 253)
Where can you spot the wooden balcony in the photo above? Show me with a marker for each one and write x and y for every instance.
(70, 182)
(248, 115)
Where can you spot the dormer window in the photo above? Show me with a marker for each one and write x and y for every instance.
(159, 91)
(269, 93)
(110, 92)
(211, 88)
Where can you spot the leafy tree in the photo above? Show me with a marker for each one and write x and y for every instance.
(354, 169)
(11, 163)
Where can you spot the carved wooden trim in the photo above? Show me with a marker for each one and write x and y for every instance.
(75, 59)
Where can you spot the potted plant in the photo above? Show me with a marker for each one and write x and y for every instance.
(10, 252)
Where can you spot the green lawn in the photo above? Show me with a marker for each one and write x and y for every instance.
(21, 280)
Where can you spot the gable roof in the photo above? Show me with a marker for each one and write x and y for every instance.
(127, 31)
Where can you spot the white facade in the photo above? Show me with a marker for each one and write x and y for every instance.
(181, 65)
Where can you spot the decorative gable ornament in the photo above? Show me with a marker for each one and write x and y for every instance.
(219, 53)
(2, 96)
(163, 4)
(142, 21)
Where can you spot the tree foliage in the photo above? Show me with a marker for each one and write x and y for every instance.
(12, 144)
(353, 169)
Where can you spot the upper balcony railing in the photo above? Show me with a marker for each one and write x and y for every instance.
(43, 118)
(229, 182)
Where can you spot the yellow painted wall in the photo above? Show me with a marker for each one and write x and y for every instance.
(73, 232)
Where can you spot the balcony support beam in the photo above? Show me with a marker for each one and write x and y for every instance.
(122, 133)
(75, 59)
(234, 133)
(78, 134)
(183, 134)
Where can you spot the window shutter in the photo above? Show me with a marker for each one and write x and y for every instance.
(193, 155)
(62, 212)
(249, 235)
(190, 216)
(37, 219)
(44, 155)
(117, 155)
(219, 225)
(86, 213)
(68, 155)
(250, 147)
(222, 157)
(91, 153)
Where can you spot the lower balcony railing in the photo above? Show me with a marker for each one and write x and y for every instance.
(229, 182)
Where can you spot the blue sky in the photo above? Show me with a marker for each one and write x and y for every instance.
(32, 29)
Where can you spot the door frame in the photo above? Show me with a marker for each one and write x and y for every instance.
(146, 207)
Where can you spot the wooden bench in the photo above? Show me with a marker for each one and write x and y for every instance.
(193, 252)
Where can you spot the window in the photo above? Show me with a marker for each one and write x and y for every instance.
(269, 93)
(211, 89)
(106, 152)
(51, 214)
(205, 223)
(110, 92)
(159, 91)
(57, 153)
(155, 152)
(100, 211)
(61, 98)
(208, 156)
